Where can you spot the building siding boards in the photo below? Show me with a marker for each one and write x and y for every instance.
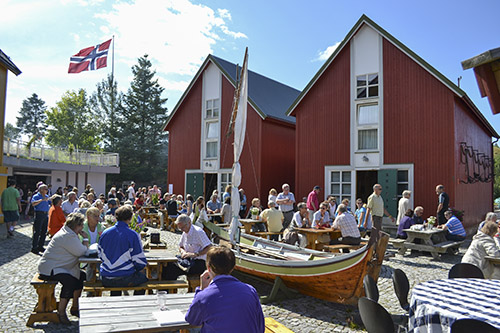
(469, 130)
(184, 142)
(418, 125)
(323, 126)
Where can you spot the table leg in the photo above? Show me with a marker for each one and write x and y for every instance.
(314, 239)
(248, 228)
(428, 241)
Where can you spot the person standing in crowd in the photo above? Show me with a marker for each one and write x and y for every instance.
(112, 193)
(443, 203)
(11, 206)
(274, 219)
(227, 193)
(456, 231)
(112, 207)
(56, 215)
(332, 206)
(376, 208)
(193, 246)
(121, 253)
(120, 196)
(189, 204)
(40, 202)
(226, 211)
(364, 220)
(313, 201)
(243, 203)
(131, 192)
(403, 205)
(285, 200)
(222, 303)
(70, 205)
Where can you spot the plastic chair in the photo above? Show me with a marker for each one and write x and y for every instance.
(465, 270)
(371, 289)
(401, 287)
(374, 316)
(472, 325)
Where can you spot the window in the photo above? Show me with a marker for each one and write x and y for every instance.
(340, 185)
(225, 179)
(367, 122)
(212, 128)
(212, 108)
(403, 183)
(367, 86)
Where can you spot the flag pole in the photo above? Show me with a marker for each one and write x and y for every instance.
(112, 94)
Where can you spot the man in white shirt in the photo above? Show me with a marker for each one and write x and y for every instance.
(193, 247)
(285, 200)
(131, 192)
(403, 205)
(69, 206)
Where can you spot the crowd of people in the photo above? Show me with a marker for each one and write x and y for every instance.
(75, 221)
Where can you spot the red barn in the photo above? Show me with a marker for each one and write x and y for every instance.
(381, 114)
(200, 155)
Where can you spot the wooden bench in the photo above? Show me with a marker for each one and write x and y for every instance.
(272, 326)
(148, 245)
(337, 247)
(396, 242)
(97, 288)
(193, 282)
(46, 306)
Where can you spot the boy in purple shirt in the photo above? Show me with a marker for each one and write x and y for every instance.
(222, 303)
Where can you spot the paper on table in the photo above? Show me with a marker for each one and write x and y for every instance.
(169, 317)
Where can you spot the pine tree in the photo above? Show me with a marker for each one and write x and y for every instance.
(32, 117)
(142, 139)
(11, 132)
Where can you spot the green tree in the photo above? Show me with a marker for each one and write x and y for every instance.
(11, 132)
(72, 123)
(496, 157)
(32, 117)
(106, 103)
(142, 139)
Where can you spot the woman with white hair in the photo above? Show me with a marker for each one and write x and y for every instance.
(403, 205)
(483, 245)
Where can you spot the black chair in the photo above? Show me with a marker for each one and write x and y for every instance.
(401, 287)
(371, 289)
(472, 325)
(375, 318)
(465, 270)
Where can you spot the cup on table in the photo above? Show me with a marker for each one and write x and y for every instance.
(162, 300)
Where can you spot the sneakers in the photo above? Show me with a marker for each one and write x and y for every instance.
(41, 249)
(35, 251)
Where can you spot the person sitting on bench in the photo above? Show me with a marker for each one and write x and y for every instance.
(455, 229)
(120, 251)
(222, 303)
(346, 222)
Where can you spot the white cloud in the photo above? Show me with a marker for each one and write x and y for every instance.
(173, 85)
(325, 54)
(176, 34)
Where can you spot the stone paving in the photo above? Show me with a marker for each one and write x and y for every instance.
(302, 314)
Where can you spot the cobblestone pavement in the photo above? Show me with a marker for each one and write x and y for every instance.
(302, 314)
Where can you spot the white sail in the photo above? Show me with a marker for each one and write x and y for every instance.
(240, 124)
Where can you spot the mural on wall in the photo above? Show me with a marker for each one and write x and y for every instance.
(478, 166)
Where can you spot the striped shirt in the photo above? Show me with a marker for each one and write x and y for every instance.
(120, 250)
(455, 227)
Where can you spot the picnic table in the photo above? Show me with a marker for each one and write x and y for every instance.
(313, 234)
(154, 257)
(248, 223)
(150, 213)
(434, 241)
(130, 313)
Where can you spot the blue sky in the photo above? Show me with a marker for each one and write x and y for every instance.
(287, 40)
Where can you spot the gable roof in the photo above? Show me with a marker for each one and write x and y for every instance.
(5, 60)
(268, 97)
(434, 72)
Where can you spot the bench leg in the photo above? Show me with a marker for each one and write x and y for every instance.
(46, 306)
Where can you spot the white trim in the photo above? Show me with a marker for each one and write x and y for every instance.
(329, 169)
(381, 100)
(411, 176)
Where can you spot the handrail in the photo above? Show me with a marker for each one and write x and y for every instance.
(21, 149)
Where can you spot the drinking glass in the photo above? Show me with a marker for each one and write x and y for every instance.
(162, 299)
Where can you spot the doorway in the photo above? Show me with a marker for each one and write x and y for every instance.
(210, 185)
(364, 183)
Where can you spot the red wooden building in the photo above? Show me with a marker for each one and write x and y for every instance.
(200, 155)
(384, 115)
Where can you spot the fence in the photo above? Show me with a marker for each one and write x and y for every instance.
(39, 152)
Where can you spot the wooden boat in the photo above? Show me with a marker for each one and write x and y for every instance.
(333, 277)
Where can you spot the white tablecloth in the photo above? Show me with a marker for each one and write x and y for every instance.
(436, 305)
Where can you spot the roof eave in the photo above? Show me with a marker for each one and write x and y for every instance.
(5, 60)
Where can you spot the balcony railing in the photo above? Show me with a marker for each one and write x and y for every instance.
(39, 152)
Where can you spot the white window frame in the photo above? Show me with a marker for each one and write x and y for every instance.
(328, 182)
(209, 106)
(367, 86)
(373, 126)
(223, 184)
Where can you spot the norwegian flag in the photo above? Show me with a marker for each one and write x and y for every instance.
(90, 58)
